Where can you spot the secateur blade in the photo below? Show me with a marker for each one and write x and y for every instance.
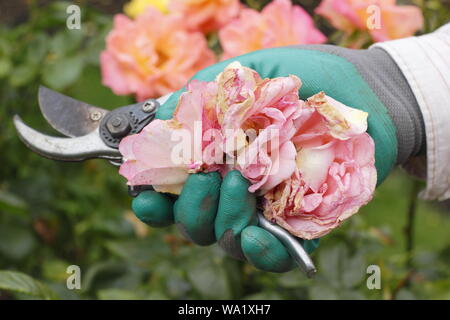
(66, 149)
(93, 132)
(73, 118)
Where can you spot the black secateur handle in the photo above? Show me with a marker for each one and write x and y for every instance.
(126, 121)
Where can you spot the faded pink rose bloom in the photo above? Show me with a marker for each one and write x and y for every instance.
(395, 21)
(225, 109)
(152, 158)
(335, 171)
(152, 55)
(264, 110)
(313, 162)
(279, 24)
(205, 15)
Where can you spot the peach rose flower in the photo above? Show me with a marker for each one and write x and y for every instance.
(205, 15)
(394, 21)
(335, 171)
(279, 24)
(152, 55)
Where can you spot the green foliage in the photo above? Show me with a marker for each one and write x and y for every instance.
(53, 215)
(22, 283)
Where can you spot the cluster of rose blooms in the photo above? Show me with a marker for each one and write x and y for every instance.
(164, 42)
(311, 162)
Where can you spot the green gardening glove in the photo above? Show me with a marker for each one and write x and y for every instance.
(210, 209)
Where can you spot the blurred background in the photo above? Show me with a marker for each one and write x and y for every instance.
(53, 214)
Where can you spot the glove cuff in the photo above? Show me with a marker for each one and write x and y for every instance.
(390, 85)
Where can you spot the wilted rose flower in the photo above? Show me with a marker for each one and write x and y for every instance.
(214, 119)
(136, 7)
(279, 24)
(264, 111)
(383, 19)
(313, 161)
(205, 15)
(152, 55)
(335, 173)
(154, 157)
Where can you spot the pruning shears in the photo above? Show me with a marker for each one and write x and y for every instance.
(92, 132)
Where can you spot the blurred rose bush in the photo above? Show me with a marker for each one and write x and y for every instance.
(165, 44)
(206, 15)
(382, 19)
(279, 24)
(167, 41)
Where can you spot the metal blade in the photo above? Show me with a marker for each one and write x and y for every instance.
(71, 117)
(164, 98)
(65, 149)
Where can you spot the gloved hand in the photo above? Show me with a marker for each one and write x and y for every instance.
(210, 209)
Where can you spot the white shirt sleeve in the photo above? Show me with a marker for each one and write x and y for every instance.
(425, 63)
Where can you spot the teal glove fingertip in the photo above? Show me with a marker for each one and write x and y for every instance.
(264, 251)
(237, 207)
(153, 208)
(196, 207)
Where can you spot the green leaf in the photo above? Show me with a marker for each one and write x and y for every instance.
(11, 203)
(142, 251)
(351, 295)
(293, 279)
(37, 48)
(62, 72)
(89, 88)
(94, 47)
(101, 274)
(5, 67)
(5, 45)
(322, 292)
(118, 294)
(329, 260)
(208, 276)
(405, 294)
(55, 270)
(177, 286)
(22, 283)
(234, 276)
(22, 75)
(16, 242)
(340, 268)
(265, 295)
(66, 42)
(353, 271)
